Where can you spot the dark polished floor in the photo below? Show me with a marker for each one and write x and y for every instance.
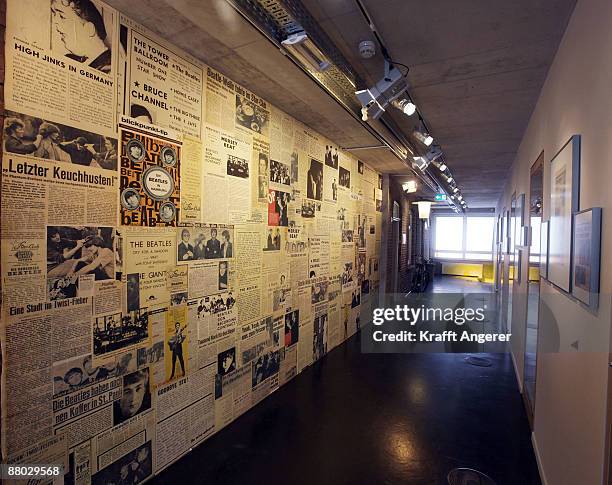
(458, 284)
(358, 418)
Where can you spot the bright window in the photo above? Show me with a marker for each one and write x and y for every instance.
(464, 237)
(449, 233)
(534, 251)
(478, 256)
(479, 234)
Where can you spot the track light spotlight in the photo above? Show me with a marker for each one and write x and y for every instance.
(456, 190)
(442, 167)
(433, 154)
(405, 106)
(376, 98)
(425, 138)
(420, 162)
(449, 179)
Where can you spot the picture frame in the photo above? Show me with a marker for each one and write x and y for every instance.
(564, 193)
(503, 224)
(526, 236)
(395, 215)
(510, 227)
(544, 234)
(586, 258)
(520, 210)
(519, 236)
(507, 233)
(518, 265)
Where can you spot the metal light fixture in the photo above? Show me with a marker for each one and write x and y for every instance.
(410, 186)
(425, 138)
(433, 154)
(424, 208)
(420, 162)
(405, 106)
(375, 99)
(304, 50)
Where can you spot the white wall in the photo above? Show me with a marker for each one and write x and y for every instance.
(571, 390)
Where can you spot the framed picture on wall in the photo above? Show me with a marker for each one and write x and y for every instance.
(508, 240)
(519, 237)
(512, 228)
(518, 266)
(564, 191)
(544, 249)
(586, 256)
(395, 216)
(520, 209)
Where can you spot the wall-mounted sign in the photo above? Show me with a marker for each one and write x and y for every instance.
(440, 197)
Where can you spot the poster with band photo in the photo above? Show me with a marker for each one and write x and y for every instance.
(164, 86)
(150, 180)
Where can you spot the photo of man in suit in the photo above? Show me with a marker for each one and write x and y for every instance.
(292, 328)
(269, 242)
(223, 275)
(185, 249)
(328, 156)
(226, 246)
(199, 248)
(176, 346)
(213, 246)
(314, 180)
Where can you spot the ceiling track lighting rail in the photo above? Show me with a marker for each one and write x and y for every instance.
(393, 89)
(291, 28)
(275, 20)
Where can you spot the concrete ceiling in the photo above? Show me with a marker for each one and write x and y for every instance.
(476, 70)
(212, 31)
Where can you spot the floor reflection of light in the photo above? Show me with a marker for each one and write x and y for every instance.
(400, 446)
(417, 391)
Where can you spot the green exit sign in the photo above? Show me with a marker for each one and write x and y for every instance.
(440, 197)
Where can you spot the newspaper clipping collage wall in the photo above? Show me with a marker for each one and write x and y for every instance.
(174, 248)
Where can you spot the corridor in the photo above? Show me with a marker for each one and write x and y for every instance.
(419, 415)
(318, 242)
